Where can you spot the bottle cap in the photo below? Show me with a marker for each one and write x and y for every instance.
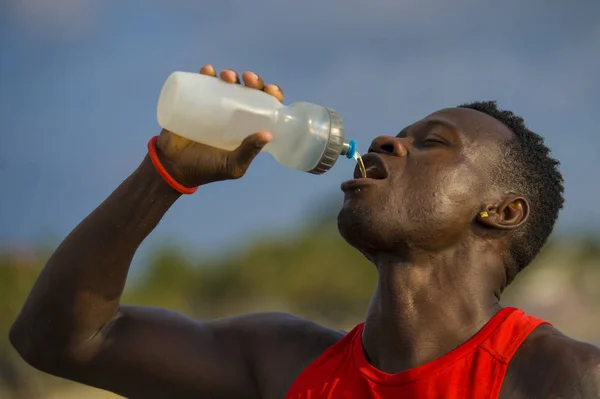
(351, 150)
(334, 146)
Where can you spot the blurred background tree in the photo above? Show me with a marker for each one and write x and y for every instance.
(79, 81)
(313, 274)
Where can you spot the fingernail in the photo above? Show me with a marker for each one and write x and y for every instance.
(264, 140)
(253, 75)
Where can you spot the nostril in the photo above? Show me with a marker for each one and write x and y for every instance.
(388, 148)
(387, 145)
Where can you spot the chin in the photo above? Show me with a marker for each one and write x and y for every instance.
(363, 229)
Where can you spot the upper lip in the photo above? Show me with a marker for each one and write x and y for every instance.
(374, 165)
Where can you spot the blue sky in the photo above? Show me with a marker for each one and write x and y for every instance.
(79, 81)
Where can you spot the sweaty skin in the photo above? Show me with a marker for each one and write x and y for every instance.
(440, 267)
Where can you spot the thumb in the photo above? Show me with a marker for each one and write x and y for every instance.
(249, 149)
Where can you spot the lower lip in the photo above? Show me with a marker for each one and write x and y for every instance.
(353, 184)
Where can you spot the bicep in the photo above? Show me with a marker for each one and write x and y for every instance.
(156, 353)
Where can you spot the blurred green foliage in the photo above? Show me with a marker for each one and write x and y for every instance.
(313, 274)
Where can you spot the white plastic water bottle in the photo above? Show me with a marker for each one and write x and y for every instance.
(207, 110)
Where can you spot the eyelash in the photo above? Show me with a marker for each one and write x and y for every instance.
(434, 141)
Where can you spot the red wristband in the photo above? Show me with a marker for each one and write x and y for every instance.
(163, 172)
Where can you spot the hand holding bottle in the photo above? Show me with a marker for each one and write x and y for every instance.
(193, 164)
(305, 136)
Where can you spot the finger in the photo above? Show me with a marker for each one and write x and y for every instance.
(230, 76)
(253, 80)
(275, 91)
(248, 150)
(208, 70)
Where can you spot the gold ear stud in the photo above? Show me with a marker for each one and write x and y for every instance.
(483, 214)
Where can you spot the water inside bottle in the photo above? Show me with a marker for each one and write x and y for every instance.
(361, 165)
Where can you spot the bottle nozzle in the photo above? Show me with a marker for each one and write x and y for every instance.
(349, 149)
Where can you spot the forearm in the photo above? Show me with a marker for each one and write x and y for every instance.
(78, 291)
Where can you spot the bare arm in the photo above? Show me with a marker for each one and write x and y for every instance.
(72, 324)
(78, 291)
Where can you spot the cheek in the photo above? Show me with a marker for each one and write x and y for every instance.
(441, 198)
(458, 191)
(410, 205)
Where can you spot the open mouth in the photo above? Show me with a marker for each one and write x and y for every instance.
(374, 167)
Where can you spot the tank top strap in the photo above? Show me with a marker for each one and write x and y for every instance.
(504, 342)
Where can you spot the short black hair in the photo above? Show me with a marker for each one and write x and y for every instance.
(527, 169)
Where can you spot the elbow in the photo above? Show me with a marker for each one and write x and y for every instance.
(22, 341)
(50, 353)
(33, 348)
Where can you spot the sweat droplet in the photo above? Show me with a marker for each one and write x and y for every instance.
(361, 165)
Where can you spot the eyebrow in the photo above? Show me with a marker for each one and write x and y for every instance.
(429, 123)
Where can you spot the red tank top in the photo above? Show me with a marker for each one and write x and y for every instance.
(474, 370)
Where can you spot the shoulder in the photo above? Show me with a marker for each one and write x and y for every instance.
(279, 327)
(280, 346)
(549, 342)
(278, 334)
(560, 364)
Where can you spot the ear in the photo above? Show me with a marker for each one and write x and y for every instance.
(509, 214)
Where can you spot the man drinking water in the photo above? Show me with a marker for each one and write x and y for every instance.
(452, 208)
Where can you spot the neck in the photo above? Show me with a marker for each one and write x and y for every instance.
(429, 305)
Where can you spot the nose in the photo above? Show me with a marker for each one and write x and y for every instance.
(389, 145)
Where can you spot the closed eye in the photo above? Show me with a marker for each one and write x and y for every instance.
(433, 141)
